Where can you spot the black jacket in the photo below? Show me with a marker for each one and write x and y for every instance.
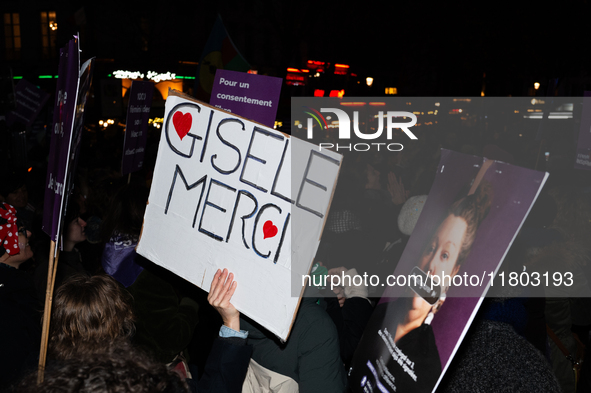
(20, 325)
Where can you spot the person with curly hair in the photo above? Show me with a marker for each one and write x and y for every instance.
(124, 369)
(90, 341)
(90, 314)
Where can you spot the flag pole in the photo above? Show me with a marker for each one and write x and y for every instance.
(51, 272)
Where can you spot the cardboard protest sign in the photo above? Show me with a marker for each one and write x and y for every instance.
(253, 96)
(136, 126)
(29, 102)
(231, 193)
(61, 137)
(583, 153)
(469, 221)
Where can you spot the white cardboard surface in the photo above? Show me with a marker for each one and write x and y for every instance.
(201, 213)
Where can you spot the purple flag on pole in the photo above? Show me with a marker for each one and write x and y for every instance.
(136, 129)
(61, 138)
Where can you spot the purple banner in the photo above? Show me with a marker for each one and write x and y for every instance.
(136, 129)
(255, 97)
(29, 101)
(61, 138)
(472, 214)
(583, 154)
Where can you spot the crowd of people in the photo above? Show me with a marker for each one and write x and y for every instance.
(122, 323)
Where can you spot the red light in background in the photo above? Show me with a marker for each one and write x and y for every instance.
(319, 93)
(377, 103)
(353, 103)
(295, 77)
(340, 69)
(315, 64)
(337, 93)
(293, 70)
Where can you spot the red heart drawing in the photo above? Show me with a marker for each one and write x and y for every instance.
(182, 123)
(269, 230)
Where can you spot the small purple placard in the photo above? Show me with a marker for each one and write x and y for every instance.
(136, 129)
(583, 154)
(253, 96)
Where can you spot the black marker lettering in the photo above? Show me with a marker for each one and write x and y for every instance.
(258, 159)
(207, 203)
(178, 171)
(225, 142)
(315, 184)
(273, 192)
(282, 237)
(246, 216)
(206, 136)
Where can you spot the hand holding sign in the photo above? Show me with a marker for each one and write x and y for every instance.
(220, 293)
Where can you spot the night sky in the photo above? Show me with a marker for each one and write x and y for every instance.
(424, 49)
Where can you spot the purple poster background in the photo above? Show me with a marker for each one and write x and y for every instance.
(61, 137)
(255, 97)
(514, 190)
(29, 101)
(583, 154)
(136, 129)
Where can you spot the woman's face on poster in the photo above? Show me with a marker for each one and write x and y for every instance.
(441, 254)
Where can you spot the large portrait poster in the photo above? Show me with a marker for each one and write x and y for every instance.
(472, 214)
(231, 193)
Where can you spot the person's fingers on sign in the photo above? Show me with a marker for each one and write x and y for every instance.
(220, 294)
